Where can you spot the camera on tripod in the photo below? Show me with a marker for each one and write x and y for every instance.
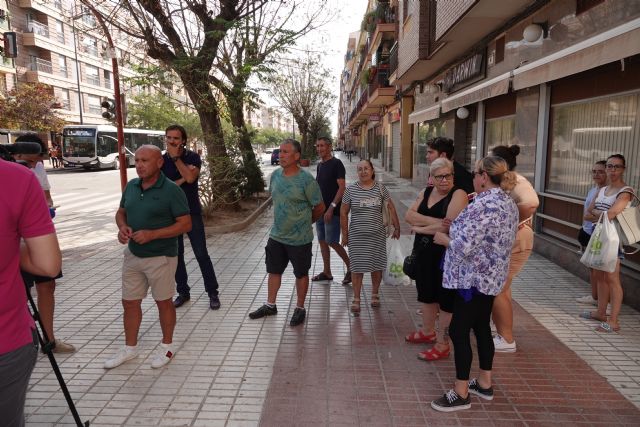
(7, 151)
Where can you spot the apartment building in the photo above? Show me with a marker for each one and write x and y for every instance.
(60, 46)
(263, 117)
(559, 78)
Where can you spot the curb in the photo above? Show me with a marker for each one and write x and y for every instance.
(238, 226)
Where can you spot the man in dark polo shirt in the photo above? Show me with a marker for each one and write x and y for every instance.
(330, 175)
(153, 212)
(443, 147)
(183, 167)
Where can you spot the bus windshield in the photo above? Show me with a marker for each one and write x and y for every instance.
(79, 143)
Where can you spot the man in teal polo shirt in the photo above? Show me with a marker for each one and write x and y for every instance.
(297, 204)
(153, 212)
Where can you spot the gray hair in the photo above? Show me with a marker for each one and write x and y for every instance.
(440, 163)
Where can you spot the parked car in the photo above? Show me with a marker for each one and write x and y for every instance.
(275, 156)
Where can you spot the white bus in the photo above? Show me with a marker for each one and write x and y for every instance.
(96, 146)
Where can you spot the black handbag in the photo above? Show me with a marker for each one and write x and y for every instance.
(410, 265)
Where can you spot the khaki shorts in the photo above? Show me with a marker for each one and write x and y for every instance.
(138, 274)
(520, 252)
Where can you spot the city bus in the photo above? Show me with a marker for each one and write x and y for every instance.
(96, 146)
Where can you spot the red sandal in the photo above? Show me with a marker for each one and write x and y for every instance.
(419, 337)
(433, 354)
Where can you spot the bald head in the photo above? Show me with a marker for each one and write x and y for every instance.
(149, 162)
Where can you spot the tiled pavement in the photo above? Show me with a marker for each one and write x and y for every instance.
(334, 370)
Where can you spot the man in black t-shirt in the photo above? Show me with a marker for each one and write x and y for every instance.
(182, 166)
(443, 147)
(331, 179)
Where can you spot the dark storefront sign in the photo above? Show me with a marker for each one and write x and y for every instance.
(465, 73)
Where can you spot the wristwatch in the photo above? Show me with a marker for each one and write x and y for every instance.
(333, 205)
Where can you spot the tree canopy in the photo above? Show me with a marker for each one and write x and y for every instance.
(30, 107)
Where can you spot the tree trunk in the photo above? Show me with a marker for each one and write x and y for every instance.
(221, 168)
(255, 179)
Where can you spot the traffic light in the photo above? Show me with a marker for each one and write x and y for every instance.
(109, 106)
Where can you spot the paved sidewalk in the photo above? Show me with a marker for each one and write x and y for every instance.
(333, 370)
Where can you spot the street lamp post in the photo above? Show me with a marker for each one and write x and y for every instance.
(122, 158)
(75, 52)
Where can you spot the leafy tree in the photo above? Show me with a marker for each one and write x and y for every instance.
(30, 107)
(269, 137)
(184, 36)
(157, 111)
(303, 90)
(248, 50)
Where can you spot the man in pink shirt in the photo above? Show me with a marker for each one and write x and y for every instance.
(24, 215)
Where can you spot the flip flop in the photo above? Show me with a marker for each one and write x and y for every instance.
(321, 277)
(587, 314)
(607, 328)
(419, 337)
(433, 354)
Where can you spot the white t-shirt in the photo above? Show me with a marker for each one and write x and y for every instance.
(41, 174)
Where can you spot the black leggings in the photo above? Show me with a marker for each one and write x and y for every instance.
(475, 315)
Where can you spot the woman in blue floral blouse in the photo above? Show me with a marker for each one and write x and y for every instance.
(476, 265)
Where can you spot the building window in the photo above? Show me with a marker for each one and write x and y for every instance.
(91, 75)
(405, 10)
(93, 104)
(426, 131)
(60, 31)
(62, 66)
(107, 79)
(90, 45)
(64, 99)
(584, 132)
(500, 131)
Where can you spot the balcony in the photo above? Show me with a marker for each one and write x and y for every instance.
(38, 28)
(41, 65)
(393, 60)
(377, 94)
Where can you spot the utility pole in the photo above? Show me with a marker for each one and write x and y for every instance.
(122, 158)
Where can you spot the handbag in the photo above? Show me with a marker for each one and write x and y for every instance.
(627, 222)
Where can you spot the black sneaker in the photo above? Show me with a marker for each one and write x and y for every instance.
(485, 393)
(214, 302)
(180, 300)
(451, 401)
(263, 311)
(298, 316)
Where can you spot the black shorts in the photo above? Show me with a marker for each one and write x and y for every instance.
(430, 291)
(278, 256)
(31, 279)
(583, 238)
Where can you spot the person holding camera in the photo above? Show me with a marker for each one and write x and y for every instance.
(45, 285)
(182, 166)
(29, 242)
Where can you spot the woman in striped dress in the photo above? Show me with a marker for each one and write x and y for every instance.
(365, 233)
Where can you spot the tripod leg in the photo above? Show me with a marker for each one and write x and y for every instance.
(47, 347)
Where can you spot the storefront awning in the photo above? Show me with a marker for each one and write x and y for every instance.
(487, 89)
(430, 113)
(609, 46)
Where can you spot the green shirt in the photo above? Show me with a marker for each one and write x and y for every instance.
(293, 200)
(156, 207)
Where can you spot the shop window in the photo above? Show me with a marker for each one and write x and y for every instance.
(584, 132)
(500, 131)
(425, 132)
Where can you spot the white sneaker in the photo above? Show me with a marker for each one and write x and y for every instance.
(163, 356)
(502, 346)
(587, 299)
(124, 354)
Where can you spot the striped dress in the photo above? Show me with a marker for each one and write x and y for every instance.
(367, 238)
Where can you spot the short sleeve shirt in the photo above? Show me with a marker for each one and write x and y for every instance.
(293, 200)
(327, 174)
(156, 207)
(23, 214)
(171, 171)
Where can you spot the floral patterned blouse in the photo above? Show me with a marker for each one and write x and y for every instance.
(481, 240)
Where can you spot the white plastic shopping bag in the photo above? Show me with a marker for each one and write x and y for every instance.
(393, 274)
(602, 251)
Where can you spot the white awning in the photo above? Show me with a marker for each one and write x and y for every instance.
(609, 46)
(487, 89)
(425, 114)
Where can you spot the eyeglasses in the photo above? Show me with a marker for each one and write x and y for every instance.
(441, 178)
(610, 166)
(597, 171)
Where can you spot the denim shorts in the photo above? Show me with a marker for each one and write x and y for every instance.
(329, 231)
